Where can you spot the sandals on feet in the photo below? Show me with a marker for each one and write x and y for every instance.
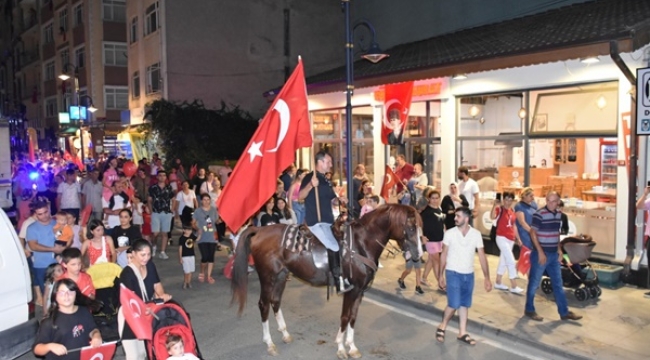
(467, 340)
(201, 278)
(440, 335)
(211, 280)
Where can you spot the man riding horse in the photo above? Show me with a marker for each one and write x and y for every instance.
(317, 193)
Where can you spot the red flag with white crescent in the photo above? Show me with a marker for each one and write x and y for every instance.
(390, 180)
(104, 352)
(284, 129)
(135, 314)
(396, 111)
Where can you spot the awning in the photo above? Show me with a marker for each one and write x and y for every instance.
(570, 32)
(68, 131)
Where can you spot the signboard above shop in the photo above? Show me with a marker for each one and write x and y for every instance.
(643, 101)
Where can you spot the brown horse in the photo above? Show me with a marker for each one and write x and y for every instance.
(275, 257)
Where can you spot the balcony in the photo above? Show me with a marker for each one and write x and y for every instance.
(30, 22)
(29, 57)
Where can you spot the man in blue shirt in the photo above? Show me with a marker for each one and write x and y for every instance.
(319, 215)
(41, 238)
(546, 256)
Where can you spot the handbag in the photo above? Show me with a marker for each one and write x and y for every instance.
(103, 258)
(493, 230)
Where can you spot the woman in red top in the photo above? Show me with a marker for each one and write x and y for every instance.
(98, 246)
(506, 237)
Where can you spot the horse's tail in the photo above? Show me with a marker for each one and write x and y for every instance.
(239, 284)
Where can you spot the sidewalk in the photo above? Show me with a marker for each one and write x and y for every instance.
(615, 326)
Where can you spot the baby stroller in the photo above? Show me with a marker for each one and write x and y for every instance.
(172, 320)
(578, 249)
(105, 278)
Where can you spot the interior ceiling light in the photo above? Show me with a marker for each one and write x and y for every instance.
(601, 102)
(590, 60)
(522, 113)
(474, 110)
(460, 77)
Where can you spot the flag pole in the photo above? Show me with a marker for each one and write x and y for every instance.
(312, 161)
(84, 347)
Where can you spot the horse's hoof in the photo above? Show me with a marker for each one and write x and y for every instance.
(341, 354)
(355, 354)
(272, 350)
(287, 339)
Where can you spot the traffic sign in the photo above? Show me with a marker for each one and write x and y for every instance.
(643, 101)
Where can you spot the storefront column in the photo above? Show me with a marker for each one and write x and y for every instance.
(378, 148)
(448, 145)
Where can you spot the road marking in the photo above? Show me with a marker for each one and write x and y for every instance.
(489, 342)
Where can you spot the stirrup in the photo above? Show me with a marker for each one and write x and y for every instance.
(344, 286)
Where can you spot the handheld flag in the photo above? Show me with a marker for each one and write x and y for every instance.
(135, 313)
(284, 129)
(390, 180)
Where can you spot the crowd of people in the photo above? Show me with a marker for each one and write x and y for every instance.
(118, 212)
(123, 213)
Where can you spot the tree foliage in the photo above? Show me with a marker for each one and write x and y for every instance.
(195, 134)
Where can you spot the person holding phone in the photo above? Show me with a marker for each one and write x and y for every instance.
(506, 237)
(644, 204)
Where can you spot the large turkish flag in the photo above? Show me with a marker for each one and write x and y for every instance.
(284, 129)
(396, 112)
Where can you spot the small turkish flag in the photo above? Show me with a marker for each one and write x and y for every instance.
(104, 352)
(523, 264)
(284, 129)
(390, 180)
(396, 112)
(135, 313)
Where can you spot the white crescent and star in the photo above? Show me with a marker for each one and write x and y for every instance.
(388, 179)
(285, 120)
(137, 313)
(98, 356)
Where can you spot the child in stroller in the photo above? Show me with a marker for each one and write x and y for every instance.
(576, 250)
(172, 321)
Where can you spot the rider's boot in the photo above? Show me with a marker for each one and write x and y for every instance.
(342, 285)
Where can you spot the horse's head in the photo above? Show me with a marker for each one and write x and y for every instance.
(402, 223)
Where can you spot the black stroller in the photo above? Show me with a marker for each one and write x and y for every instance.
(578, 249)
(105, 278)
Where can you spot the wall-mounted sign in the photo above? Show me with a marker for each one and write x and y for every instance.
(643, 101)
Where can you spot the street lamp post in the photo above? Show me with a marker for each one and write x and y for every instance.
(64, 76)
(372, 54)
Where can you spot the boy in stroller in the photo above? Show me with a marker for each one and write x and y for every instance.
(176, 349)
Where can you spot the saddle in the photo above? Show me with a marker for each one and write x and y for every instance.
(298, 238)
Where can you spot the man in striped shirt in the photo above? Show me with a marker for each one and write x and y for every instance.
(546, 256)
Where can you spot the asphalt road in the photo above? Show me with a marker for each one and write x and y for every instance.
(383, 331)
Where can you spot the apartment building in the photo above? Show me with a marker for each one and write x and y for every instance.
(85, 39)
(230, 51)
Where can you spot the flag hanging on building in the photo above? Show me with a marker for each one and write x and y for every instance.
(396, 110)
(390, 180)
(104, 352)
(284, 129)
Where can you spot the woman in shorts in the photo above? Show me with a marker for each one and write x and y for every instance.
(433, 231)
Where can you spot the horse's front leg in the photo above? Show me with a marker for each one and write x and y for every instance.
(349, 341)
(348, 302)
(278, 290)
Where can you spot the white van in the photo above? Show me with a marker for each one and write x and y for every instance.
(18, 324)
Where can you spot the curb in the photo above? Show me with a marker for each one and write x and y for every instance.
(481, 328)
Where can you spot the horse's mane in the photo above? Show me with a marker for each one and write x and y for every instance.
(391, 217)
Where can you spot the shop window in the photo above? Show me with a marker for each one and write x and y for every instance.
(490, 115)
(114, 10)
(580, 109)
(115, 54)
(326, 125)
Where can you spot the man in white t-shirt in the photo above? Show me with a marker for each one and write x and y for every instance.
(420, 181)
(457, 261)
(468, 187)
